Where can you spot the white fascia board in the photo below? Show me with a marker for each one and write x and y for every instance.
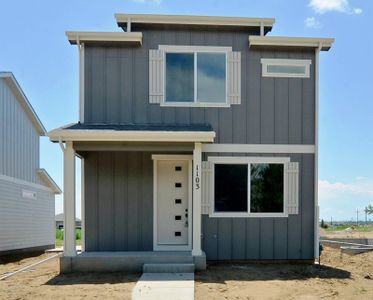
(26, 105)
(280, 41)
(44, 175)
(77, 37)
(194, 20)
(66, 135)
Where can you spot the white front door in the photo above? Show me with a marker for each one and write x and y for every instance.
(172, 203)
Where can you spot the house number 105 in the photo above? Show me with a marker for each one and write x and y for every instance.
(197, 179)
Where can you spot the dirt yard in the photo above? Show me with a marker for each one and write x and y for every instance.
(339, 277)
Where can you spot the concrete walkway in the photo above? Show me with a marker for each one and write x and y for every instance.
(175, 286)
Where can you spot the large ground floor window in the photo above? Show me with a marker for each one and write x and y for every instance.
(248, 186)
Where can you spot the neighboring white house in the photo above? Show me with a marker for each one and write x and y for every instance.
(27, 192)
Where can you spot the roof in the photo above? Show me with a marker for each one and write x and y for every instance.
(76, 37)
(47, 179)
(279, 41)
(123, 19)
(134, 133)
(20, 95)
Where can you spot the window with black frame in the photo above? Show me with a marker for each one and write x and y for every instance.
(231, 188)
(251, 188)
(266, 188)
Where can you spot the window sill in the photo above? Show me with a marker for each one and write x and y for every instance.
(247, 215)
(193, 104)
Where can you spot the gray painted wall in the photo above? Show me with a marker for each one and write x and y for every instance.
(119, 214)
(19, 147)
(119, 184)
(277, 110)
(119, 201)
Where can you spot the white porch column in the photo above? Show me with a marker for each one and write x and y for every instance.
(69, 200)
(197, 158)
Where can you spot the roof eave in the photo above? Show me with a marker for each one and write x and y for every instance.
(74, 135)
(76, 37)
(301, 42)
(194, 20)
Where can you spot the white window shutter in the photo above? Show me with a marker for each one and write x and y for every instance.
(234, 77)
(156, 62)
(292, 187)
(206, 187)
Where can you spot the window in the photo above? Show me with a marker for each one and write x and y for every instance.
(230, 188)
(285, 68)
(195, 75)
(248, 186)
(267, 188)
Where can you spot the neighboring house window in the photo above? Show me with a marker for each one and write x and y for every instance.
(194, 76)
(248, 186)
(293, 68)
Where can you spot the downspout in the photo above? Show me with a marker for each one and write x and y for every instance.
(316, 156)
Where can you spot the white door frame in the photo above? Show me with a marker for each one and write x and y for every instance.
(172, 157)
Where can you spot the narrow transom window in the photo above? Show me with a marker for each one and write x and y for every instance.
(292, 68)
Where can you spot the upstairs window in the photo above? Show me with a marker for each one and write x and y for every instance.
(292, 68)
(196, 76)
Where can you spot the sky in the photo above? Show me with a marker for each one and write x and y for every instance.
(34, 47)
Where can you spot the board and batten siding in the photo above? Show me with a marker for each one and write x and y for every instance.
(19, 147)
(119, 213)
(118, 201)
(25, 222)
(272, 110)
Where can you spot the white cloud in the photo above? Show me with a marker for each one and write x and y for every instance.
(362, 186)
(342, 6)
(340, 200)
(311, 22)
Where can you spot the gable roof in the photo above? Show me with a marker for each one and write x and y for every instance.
(20, 95)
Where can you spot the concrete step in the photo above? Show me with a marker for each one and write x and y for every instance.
(168, 268)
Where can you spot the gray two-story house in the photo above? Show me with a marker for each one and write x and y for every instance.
(199, 142)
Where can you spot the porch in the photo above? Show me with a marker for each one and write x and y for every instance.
(104, 152)
(130, 261)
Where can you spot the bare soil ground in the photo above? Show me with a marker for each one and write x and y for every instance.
(339, 277)
(44, 282)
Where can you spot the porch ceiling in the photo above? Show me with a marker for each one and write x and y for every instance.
(133, 133)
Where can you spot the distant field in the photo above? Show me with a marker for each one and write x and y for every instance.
(360, 228)
(59, 237)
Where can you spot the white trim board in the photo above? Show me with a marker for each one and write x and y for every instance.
(247, 161)
(259, 148)
(283, 41)
(194, 20)
(58, 135)
(76, 37)
(156, 158)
